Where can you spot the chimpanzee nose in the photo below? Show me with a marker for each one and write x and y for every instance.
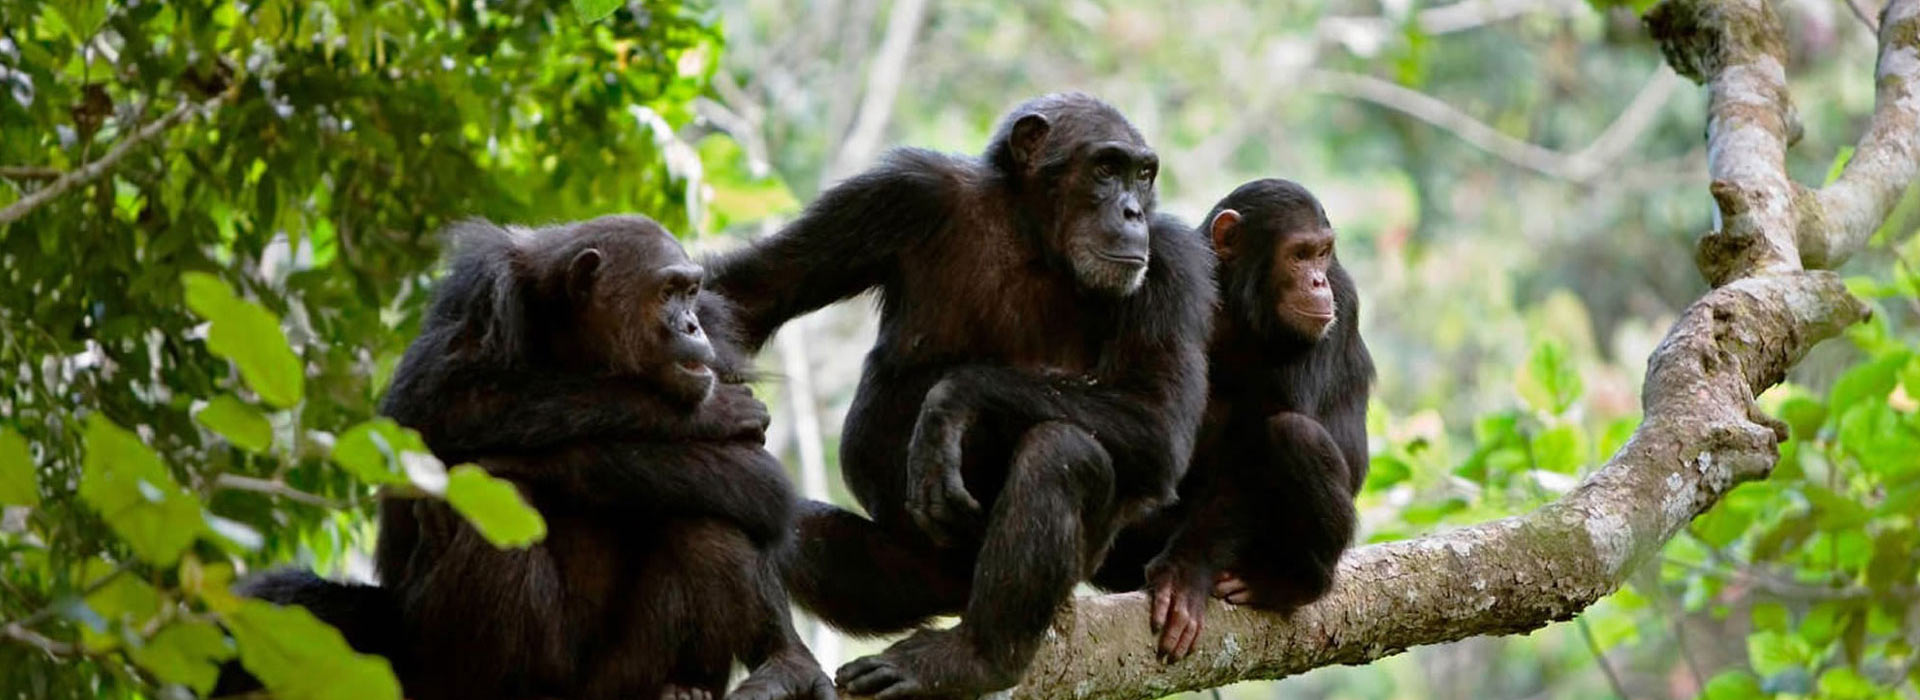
(1132, 213)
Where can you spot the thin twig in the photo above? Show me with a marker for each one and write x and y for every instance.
(27, 172)
(91, 171)
(1865, 18)
(1600, 657)
(236, 482)
(31, 638)
(1580, 166)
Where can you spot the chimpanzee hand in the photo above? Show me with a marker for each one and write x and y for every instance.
(1177, 592)
(732, 413)
(937, 497)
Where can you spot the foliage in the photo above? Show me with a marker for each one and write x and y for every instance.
(192, 343)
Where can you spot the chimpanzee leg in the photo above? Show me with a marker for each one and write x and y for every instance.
(1297, 510)
(1052, 518)
(864, 579)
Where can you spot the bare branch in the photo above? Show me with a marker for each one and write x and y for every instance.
(1365, 35)
(36, 640)
(1582, 166)
(236, 482)
(1843, 215)
(89, 172)
(1861, 13)
(27, 172)
(883, 86)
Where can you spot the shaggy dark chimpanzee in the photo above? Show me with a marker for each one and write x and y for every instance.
(1038, 380)
(1268, 506)
(580, 363)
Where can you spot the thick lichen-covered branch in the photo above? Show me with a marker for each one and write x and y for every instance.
(1701, 434)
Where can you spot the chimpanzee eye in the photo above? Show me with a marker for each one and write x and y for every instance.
(1146, 173)
(1103, 171)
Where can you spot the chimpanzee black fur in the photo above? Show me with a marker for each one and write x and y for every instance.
(1267, 508)
(1038, 381)
(584, 363)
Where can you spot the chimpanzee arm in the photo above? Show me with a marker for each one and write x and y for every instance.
(1143, 403)
(482, 411)
(843, 244)
(734, 481)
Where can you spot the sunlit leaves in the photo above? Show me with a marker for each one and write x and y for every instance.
(187, 652)
(250, 336)
(595, 10)
(1733, 685)
(373, 451)
(494, 507)
(239, 423)
(134, 493)
(1549, 382)
(298, 657)
(19, 485)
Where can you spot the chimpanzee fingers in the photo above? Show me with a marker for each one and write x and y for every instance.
(871, 678)
(1193, 634)
(1176, 629)
(956, 495)
(822, 689)
(1243, 596)
(1162, 600)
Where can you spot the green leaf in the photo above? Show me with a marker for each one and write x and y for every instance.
(1386, 471)
(1772, 652)
(249, 335)
(1873, 380)
(126, 600)
(1839, 164)
(595, 10)
(298, 657)
(1804, 416)
(135, 494)
(371, 451)
(1561, 448)
(1733, 685)
(1846, 684)
(1772, 617)
(187, 652)
(494, 507)
(1549, 383)
(19, 482)
(239, 423)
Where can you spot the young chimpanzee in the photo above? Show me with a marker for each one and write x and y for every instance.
(580, 363)
(1037, 383)
(1267, 508)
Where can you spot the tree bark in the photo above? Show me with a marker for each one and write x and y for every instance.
(1772, 302)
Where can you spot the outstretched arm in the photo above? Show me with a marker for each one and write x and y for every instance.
(843, 244)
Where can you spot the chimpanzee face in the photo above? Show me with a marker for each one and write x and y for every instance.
(1303, 298)
(639, 292)
(1098, 177)
(1279, 266)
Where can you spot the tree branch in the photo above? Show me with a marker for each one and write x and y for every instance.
(1843, 215)
(1701, 435)
(1581, 166)
(236, 482)
(91, 171)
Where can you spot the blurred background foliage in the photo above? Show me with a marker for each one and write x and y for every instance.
(192, 342)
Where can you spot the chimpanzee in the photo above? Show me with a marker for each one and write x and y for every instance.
(573, 362)
(1267, 508)
(1037, 382)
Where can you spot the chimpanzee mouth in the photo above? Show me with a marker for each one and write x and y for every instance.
(1133, 260)
(695, 368)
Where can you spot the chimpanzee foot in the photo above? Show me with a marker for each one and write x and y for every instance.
(684, 692)
(929, 664)
(792, 675)
(1232, 589)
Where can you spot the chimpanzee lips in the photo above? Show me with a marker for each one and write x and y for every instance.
(694, 367)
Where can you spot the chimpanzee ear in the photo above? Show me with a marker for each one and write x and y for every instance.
(1029, 133)
(1226, 233)
(581, 271)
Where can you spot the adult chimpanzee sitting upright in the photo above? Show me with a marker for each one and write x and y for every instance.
(1267, 508)
(1038, 379)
